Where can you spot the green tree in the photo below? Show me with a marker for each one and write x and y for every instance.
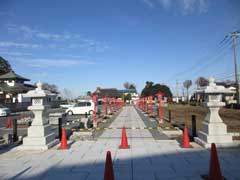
(89, 93)
(128, 97)
(152, 89)
(5, 67)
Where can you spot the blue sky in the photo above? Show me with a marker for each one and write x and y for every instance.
(80, 45)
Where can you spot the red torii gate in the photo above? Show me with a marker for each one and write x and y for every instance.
(160, 95)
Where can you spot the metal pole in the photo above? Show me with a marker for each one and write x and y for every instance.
(194, 127)
(169, 115)
(234, 36)
(15, 137)
(60, 128)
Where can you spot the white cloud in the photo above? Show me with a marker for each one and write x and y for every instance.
(76, 40)
(46, 62)
(19, 45)
(165, 3)
(15, 53)
(203, 6)
(28, 32)
(190, 6)
(149, 3)
(186, 6)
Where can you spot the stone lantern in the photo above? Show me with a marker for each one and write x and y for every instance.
(40, 135)
(213, 130)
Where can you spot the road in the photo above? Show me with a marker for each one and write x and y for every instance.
(147, 158)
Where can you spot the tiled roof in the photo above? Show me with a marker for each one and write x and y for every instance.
(110, 92)
(18, 88)
(11, 75)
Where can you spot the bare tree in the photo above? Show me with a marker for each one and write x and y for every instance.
(67, 94)
(50, 87)
(201, 81)
(128, 85)
(187, 84)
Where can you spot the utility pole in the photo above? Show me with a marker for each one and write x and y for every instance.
(177, 90)
(234, 36)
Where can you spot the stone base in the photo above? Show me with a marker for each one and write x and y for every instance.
(219, 145)
(216, 138)
(39, 138)
(82, 136)
(38, 147)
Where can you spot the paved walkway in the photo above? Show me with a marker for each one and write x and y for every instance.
(147, 159)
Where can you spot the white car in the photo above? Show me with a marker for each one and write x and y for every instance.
(81, 107)
(66, 105)
(4, 111)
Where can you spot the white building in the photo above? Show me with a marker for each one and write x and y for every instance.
(12, 87)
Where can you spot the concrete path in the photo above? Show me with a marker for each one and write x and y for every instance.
(147, 159)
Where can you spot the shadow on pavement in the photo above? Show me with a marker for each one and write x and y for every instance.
(166, 164)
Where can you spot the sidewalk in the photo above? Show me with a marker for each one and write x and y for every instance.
(147, 159)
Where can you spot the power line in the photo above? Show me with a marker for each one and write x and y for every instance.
(219, 58)
(222, 45)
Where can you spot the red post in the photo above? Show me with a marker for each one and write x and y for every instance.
(94, 98)
(110, 103)
(151, 110)
(115, 104)
(160, 107)
(146, 104)
(105, 105)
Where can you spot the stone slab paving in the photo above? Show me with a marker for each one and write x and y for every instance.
(147, 159)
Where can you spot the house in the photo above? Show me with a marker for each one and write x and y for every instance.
(133, 92)
(228, 98)
(109, 92)
(12, 86)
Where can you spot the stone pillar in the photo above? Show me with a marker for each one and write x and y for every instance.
(214, 130)
(40, 135)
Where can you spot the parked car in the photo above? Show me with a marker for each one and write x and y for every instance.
(82, 107)
(4, 111)
(66, 105)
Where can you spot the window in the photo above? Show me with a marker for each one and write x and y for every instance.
(80, 104)
(83, 104)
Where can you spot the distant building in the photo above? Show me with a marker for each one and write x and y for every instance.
(179, 99)
(113, 92)
(109, 92)
(228, 98)
(133, 92)
(12, 87)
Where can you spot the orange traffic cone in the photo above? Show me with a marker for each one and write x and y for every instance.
(64, 144)
(108, 174)
(124, 143)
(185, 143)
(214, 169)
(9, 122)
